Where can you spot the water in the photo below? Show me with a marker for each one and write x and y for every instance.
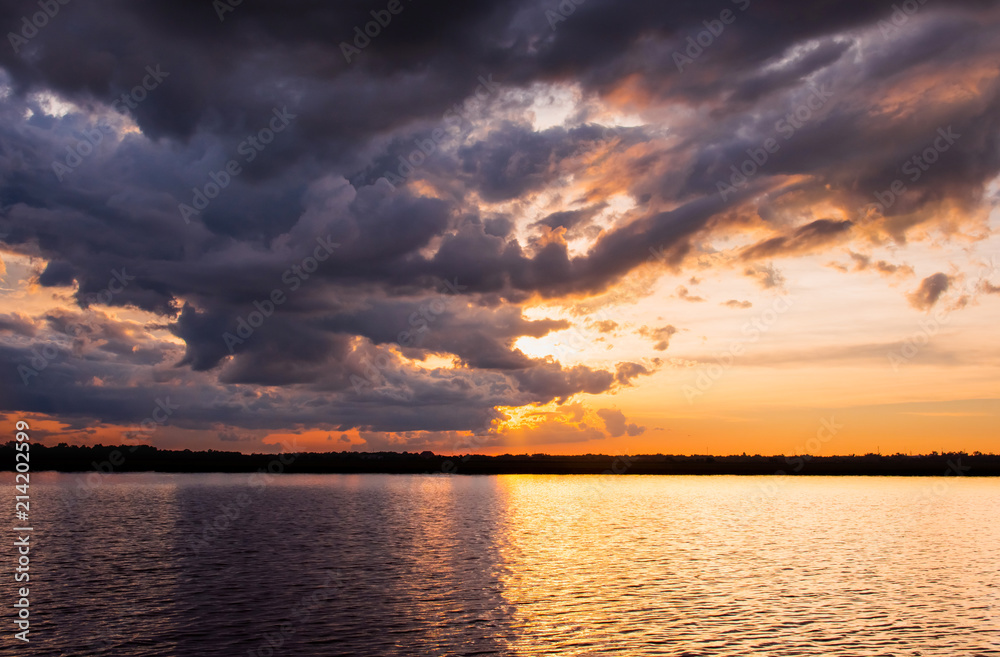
(512, 565)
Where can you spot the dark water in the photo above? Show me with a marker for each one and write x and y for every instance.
(517, 565)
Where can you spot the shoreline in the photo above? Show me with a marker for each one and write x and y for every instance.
(107, 459)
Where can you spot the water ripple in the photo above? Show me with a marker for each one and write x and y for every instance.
(206, 565)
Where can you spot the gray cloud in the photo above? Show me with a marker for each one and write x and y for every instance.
(930, 290)
(320, 179)
(616, 424)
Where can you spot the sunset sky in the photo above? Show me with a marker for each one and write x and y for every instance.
(503, 226)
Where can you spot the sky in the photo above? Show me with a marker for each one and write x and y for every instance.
(516, 226)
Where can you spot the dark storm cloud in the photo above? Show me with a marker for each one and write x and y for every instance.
(57, 273)
(327, 380)
(509, 156)
(117, 210)
(514, 160)
(802, 239)
(17, 324)
(575, 223)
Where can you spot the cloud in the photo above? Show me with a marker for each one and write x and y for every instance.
(735, 303)
(575, 223)
(888, 269)
(801, 240)
(551, 431)
(989, 288)
(682, 293)
(18, 324)
(233, 437)
(661, 336)
(930, 290)
(767, 276)
(616, 424)
(606, 326)
(625, 372)
(516, 210)
(864, 262)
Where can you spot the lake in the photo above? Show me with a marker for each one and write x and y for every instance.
(157, 564)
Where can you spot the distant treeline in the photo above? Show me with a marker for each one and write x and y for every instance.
(132, 458)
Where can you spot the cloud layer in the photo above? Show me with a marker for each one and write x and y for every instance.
(795, 129)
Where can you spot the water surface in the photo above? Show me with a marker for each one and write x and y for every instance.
(201, 565)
